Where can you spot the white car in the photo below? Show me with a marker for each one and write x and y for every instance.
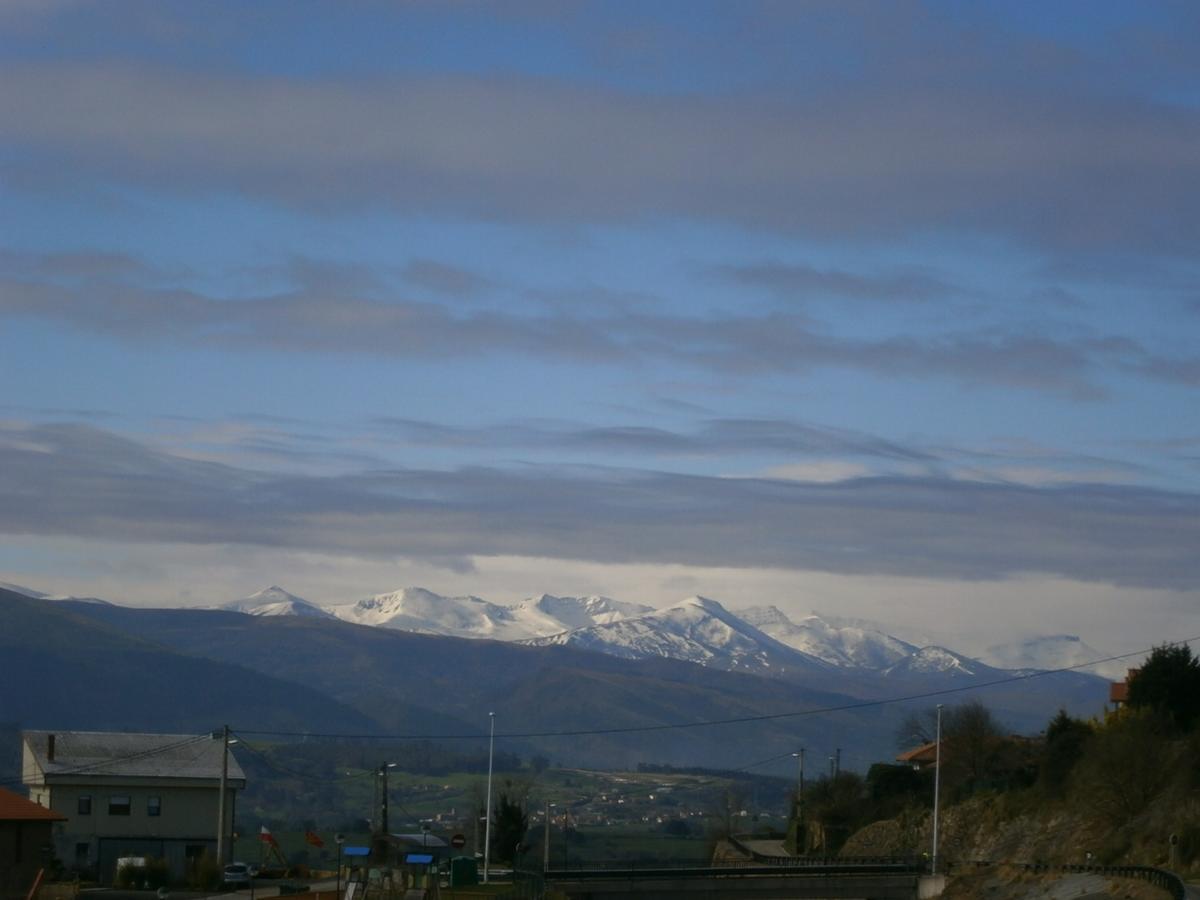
(236, 875)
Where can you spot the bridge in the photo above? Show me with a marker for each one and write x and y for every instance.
(843, 880)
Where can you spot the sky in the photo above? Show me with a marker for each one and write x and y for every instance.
(886, 310)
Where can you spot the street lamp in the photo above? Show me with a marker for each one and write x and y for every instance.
(487, 828)
(799, 784)
(937, 783)
(383, 807)
(226, 742)
(339, 839)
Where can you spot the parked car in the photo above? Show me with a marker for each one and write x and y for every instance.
(236, 875)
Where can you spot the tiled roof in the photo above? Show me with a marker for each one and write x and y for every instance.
(15, 808)
(924, 753)
(130, 755)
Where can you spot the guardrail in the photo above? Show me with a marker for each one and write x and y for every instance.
(891, 863)
(1168, 881)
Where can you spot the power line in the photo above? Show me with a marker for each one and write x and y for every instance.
(737, 720)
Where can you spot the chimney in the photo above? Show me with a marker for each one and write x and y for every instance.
(50, 748)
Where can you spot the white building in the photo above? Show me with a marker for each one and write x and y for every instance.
(152, 795)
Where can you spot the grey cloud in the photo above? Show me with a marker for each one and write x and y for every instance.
(317, 316)
(802, 282)
(443, 278)
(895, 157)
(714, 437)
(78, 481)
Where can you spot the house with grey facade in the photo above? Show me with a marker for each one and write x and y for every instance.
(153, 795)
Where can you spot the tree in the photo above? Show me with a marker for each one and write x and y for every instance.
(970, 739)
(1169, 682)
(1066, 739)
(1125, 766)
(509, 825)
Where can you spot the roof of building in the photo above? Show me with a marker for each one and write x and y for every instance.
(926, 753)
(15, 808)
(125, 755)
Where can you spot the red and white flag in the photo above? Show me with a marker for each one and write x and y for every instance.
(266, 837)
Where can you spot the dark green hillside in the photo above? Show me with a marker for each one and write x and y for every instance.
(400, 678)
(61, 669)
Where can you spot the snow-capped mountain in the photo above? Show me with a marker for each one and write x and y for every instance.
(24, 591)
(940, 662)
(416, 609)
(275, 601)
(829, 639)
(421, 610)
(697, 630)
(41, 595)
(546, 614)
(1056, 651)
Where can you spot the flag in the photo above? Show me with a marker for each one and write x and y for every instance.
(311, 837)
(266, 837)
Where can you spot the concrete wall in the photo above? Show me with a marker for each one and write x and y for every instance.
(187, 816)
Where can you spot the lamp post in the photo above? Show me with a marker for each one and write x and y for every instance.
(223, 788)
(383, 806)
(799, 785)
(339, 839)
(937, 783)
(487, 828)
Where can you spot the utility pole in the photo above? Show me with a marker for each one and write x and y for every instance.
(383, 804)
(937, 782)
(799, 785)
(831, 773)
(546, 841)
(487, 828)
(221, 796)
(837, 765)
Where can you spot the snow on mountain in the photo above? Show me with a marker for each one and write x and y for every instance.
(697, 630)
(1056, 651)
(546, 615)
(838, 643)
(275, 601)
(24, 591)
(40, 595)
(939, 661)
(420, 610)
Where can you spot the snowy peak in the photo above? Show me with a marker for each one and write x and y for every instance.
(275, 601)
(24, 591)
(838, 642)
(547, 614)
(696, 630)
(938, 661)
(421, 610)
(1055, 651)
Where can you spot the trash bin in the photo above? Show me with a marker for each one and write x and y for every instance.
(463, 871)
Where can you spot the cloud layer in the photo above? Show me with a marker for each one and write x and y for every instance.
(80, 481)
(1060, 168)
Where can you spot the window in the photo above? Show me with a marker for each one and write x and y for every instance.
(83, 806)
(81, 854)
(118, 805)
(154, 806)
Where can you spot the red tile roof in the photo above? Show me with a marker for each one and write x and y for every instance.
(926, 753)
(15, 808)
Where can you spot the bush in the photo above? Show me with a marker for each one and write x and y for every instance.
(154, 874)
(205, 873)
(157, 873)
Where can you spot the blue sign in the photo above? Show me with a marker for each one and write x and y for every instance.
(419, 858)
(356, 851)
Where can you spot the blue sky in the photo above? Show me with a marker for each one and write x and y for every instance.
(879, 309)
